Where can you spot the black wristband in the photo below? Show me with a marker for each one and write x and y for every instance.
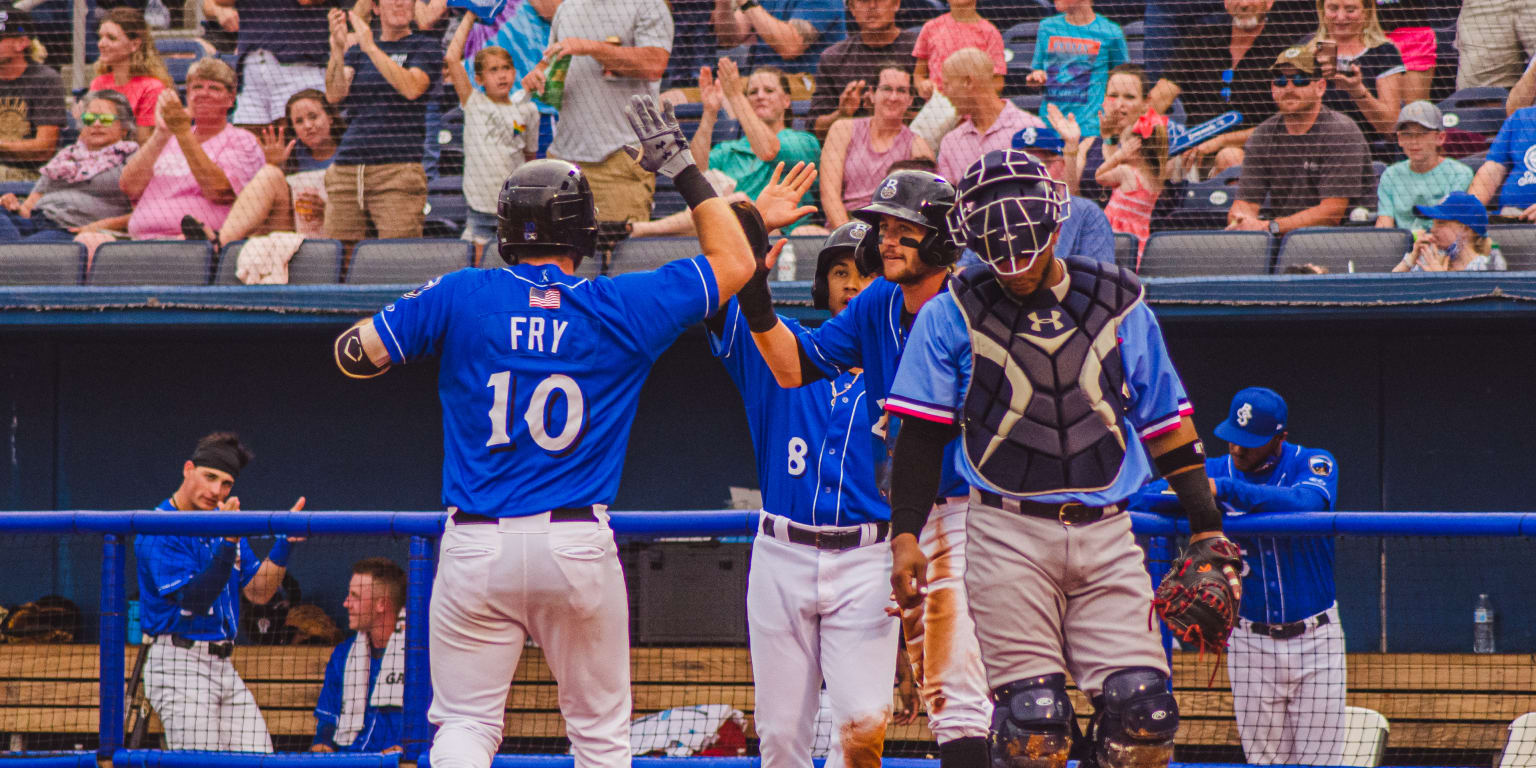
(1194, 491)
(1187, 455)
(756, 303)
(694, 188)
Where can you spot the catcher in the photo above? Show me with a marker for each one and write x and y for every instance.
(1047, 369)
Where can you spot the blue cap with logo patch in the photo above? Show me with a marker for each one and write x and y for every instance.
(1257, 415)
(1039, 139)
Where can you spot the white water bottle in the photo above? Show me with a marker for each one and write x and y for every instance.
(786, 267)
(1482, 625)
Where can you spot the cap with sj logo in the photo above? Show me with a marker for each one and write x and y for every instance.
(1256, 417)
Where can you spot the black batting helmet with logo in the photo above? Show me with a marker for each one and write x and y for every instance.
(546, 209)
(920, 197)
(1009, 208)
(841, 243)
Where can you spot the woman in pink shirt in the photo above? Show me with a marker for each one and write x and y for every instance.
(196, 163)
(859, 151)
(130, 65)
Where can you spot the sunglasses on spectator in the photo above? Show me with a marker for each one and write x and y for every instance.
(92, 118)
(1297, 79)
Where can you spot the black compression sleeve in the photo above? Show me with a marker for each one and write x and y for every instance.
(204, 588)
(757, 302)
(916, 470)
(694, 188)
(1194, 490)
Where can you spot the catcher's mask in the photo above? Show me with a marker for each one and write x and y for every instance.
(1008, 209)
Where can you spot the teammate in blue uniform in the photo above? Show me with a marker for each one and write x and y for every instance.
(359, 709)
(539, 374)
(189, 608)
(815, 591)
(1054, 369)
(1287, 661)
(909, 245)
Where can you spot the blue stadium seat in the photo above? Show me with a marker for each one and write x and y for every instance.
(445, 201)
(1343, 250)
(1479, 110)
(18, 188)
(1517, 242)
(1193, 254)
(1019, 40)
(641, 253)
(179, 54)
(1029, 102)
(317, 262)
(407, 260)
(667, 202)
(26, 263)
(152, 262)
(450, 140)
(1125, 250)
(1202, 205)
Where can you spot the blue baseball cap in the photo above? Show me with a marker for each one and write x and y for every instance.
(1041, 139)
(1459, 206)
(1257, 415)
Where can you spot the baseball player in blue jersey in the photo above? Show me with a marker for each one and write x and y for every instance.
(539, 374)
(1047, 371)
(189, 608)
(910, 246)
(815, 591)
(1287, 662)
(359, 709)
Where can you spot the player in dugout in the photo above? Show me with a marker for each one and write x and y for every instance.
(360, 703)
(189, 602)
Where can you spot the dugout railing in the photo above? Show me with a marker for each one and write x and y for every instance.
(1486, 690)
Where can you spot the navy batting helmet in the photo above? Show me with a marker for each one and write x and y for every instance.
(841, 243)
(546, 208)
(920, 197)
(1008, 209)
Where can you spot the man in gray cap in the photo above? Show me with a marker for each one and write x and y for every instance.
(1425, 178)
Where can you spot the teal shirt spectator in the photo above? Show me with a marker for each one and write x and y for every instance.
(1401, 188)
(1076, 61)
(736, 159)
(525, 35)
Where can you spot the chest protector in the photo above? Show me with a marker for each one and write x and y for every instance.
(1047, 392)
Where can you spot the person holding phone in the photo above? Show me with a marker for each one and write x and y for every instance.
(1364, 70)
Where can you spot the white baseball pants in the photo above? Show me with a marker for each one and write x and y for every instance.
(941, 635)
(814, 614)
(202, 701)
(1289, 694)
(499, 584)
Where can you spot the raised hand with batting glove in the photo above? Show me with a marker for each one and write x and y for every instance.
(663, 147)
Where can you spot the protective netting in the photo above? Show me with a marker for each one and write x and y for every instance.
(1311, 132)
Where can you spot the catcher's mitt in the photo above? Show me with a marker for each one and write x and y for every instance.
(1198, 598)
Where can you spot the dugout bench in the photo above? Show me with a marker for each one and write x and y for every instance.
(1433, 701)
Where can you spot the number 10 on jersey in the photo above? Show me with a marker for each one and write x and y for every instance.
(505, 392)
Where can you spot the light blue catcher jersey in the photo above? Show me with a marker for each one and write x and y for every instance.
(539, 374)
(813, 451)
(936, 370)
(168, 563)
(868, 334)
(1287, 578)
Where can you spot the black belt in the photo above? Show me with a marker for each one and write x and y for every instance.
(1290, 630)
(221, 650)
(1070, 513)
(560, 515)
(837, 540)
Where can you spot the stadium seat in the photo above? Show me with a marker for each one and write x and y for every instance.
(1479, 110)
(152, 262)
(642, 253)
(1517, 242)
(1520, 750)
(18, 188)
(318, 262)
(407, 260)
(589, 268)
(1365, 737)
(1345, 249)
(41, 263)
(1125, 250)
(445, 200)
(450, 140)
(1019, 49)
(179, 54)
(1028, 102)
(1202, 205)
(1193, 254)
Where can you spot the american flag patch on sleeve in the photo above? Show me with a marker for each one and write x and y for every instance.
(544, 298)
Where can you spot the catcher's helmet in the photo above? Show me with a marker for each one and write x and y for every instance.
(546, 208)
(842, 242)
(920, 197)
(1008, 209)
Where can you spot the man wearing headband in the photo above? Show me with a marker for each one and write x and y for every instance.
(189, 606)
(1055, 367)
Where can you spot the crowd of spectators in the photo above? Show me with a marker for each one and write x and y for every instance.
(1315, 112)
